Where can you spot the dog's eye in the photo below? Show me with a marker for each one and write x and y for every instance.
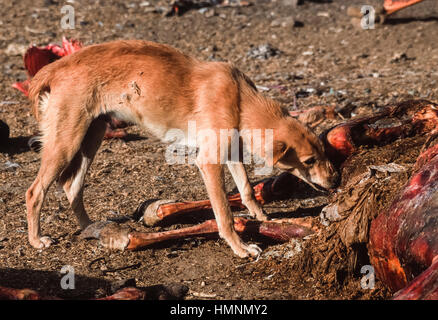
(310, 161)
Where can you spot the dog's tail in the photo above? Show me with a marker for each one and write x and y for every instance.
(41, 84)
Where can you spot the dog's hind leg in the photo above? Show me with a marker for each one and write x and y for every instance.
(72, 179)
(63, 130)
(54, 160)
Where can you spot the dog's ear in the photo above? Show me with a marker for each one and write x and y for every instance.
(279, 149)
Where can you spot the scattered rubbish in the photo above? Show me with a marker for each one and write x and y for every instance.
(285, 22)
(11, 165)
(179, 7)
(15, 49)
(6, 103)
(263, 88)
(399, 57)
(286, 251)
(323, 14)
(264, 51)
(203, 295)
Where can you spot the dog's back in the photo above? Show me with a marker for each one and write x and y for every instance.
(158, 84)
(106, 67)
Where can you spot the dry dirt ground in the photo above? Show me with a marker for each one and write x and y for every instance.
(323, 59)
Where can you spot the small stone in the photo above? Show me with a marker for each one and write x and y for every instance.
(323, 14)
(292, 3)
(399, 56)
(210, 13)
(15, 49)
(20, 252)
(11, 166)
(264, 51)
(284, 22)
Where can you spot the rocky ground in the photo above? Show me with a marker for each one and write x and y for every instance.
(311, 52)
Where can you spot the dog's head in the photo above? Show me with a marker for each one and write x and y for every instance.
(298, 150)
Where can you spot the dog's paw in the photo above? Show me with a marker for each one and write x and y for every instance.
(248, 250)
(42, 242)
(259, 214)
(256, 211)
(254, 250)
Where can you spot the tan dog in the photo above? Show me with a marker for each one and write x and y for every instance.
(159, 88)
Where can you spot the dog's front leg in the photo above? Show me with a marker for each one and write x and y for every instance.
(213, 176)
(240, 177)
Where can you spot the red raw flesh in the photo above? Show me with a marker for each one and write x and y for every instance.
(423, 287)
(403, 239)
(403, 120)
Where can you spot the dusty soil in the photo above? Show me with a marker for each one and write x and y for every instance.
(324, 60)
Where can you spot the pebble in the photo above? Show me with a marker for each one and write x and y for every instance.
(209, 13)
(292, 3)
(262, 88)
(15, 49)
(264, 51)
(284, 22)
(399, 56)
(323, 14)
(10, 166)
